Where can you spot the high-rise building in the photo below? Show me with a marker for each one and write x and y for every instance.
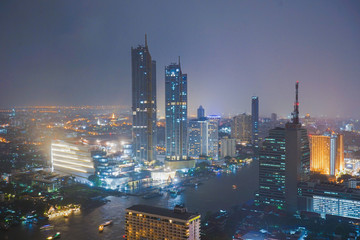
(198, 138)
(213, 136)
(273, 117)
(72, 158)
(255, 125)
(241, 128)
(272, 169)
(227, 147)
(327, 153)
(200, 112)
(176, 117)
(143, 103)
(148, 222)
(284, 162)
(204, 136)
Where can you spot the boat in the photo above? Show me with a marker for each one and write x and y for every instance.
(46, 227)
(55, 236)
(107, 223)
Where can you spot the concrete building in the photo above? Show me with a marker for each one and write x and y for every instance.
(273, 117)
(72, 158)
(329, 198)
(227, 147)
(327, 153)
(154, 223)
(143, 103)
(204, 137)
(198, 138)
(284, 162)
(213, 136)
(241, 128)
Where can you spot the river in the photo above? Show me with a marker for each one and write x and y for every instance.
(214, 194)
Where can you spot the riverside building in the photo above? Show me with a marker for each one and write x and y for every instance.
(153, 223)
(72, 158)
(143, 103)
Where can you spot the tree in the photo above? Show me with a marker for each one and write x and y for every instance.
(95, 180)
(319, 177)
(344, 178)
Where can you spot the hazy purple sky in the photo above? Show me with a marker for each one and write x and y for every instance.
(78, 52)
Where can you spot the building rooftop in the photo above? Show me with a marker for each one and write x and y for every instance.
(163, 212)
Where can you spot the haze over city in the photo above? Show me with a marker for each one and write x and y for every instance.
(197, 120)
(78, 53)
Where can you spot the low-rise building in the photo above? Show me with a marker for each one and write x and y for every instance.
(329, 199)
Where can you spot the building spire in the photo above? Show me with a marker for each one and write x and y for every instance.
(179, 62)
(146, 40)
(295, 114)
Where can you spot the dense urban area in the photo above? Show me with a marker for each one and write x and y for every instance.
(174, 120)
(57, 161)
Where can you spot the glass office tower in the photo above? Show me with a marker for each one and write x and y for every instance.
(176, 112)
(143, 103)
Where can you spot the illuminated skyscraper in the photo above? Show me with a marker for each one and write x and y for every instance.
(272, 169)
(143, 103)
(198, 138)
(327, 153)
(241, 128)
(213, 138)
(255, 125)
(176, 116)
(284, 162)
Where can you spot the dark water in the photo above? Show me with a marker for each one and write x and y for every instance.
(214, 194)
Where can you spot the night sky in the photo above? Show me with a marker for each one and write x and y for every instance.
(78, 53)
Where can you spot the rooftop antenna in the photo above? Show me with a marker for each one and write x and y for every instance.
(179, 61)
(295, 119)
(146, 40)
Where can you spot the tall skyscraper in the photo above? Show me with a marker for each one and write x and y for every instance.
(200, 112)
(255, 125)
(198, 138)
(176, 116)
(241, 128)
(273, 117)
(272, 169)
(204, 136)
(143, 103)
(213, 138)
(327, 153)
(284, 162)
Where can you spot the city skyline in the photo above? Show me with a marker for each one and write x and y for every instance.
(105, 133)
(66, 55)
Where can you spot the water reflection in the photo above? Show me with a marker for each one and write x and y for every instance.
(214, 194)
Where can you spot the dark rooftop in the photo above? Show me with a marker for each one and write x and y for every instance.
(163, 212)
